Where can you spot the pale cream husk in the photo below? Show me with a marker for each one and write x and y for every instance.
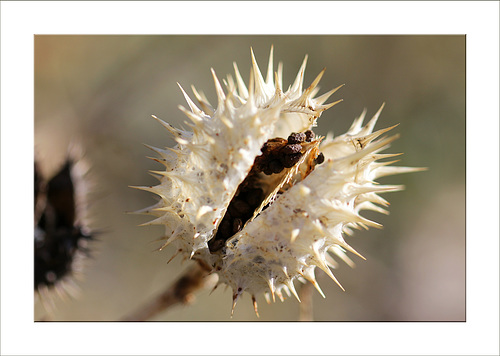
(304, 227)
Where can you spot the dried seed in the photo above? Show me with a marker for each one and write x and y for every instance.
(296, 137)
(216, 244)
(237, 225)
(291, 148)
(273, 144)
(267, 171)
(275, 166)
(320, 159)
(309, 135)
(253, 196)
(290, 160)
(239, 208)
(224, 228)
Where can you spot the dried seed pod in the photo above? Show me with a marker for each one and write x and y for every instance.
(302, 216)
(61, 243)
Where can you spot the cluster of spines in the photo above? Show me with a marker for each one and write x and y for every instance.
(221, 148)
(315, 213)
(62, 236)
(220, 151)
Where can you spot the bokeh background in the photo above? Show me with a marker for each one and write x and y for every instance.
(101, 91)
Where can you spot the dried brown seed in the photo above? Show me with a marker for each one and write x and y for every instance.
(297, 137)
(254, 196)
(309, 135)
(239, 208)
(275, 166)
(320, 159)
(290, 160)
(216, 244)
(237, 225)
(291, 148)
(273, 144)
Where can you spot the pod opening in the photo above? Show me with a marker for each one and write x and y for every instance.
(270, 175)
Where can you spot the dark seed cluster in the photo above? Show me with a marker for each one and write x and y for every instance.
(297, 137)
(277, 154)
(240, 210)
(57, 237)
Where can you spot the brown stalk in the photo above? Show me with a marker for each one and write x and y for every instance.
(180, 292)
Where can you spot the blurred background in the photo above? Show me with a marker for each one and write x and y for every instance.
(101, 91)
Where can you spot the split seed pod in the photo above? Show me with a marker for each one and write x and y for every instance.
(252, 193)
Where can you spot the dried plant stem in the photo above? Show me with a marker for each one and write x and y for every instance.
(306, 305)
(180, 292)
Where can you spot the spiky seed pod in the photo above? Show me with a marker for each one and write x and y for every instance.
(61, 232)
(263, 210)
